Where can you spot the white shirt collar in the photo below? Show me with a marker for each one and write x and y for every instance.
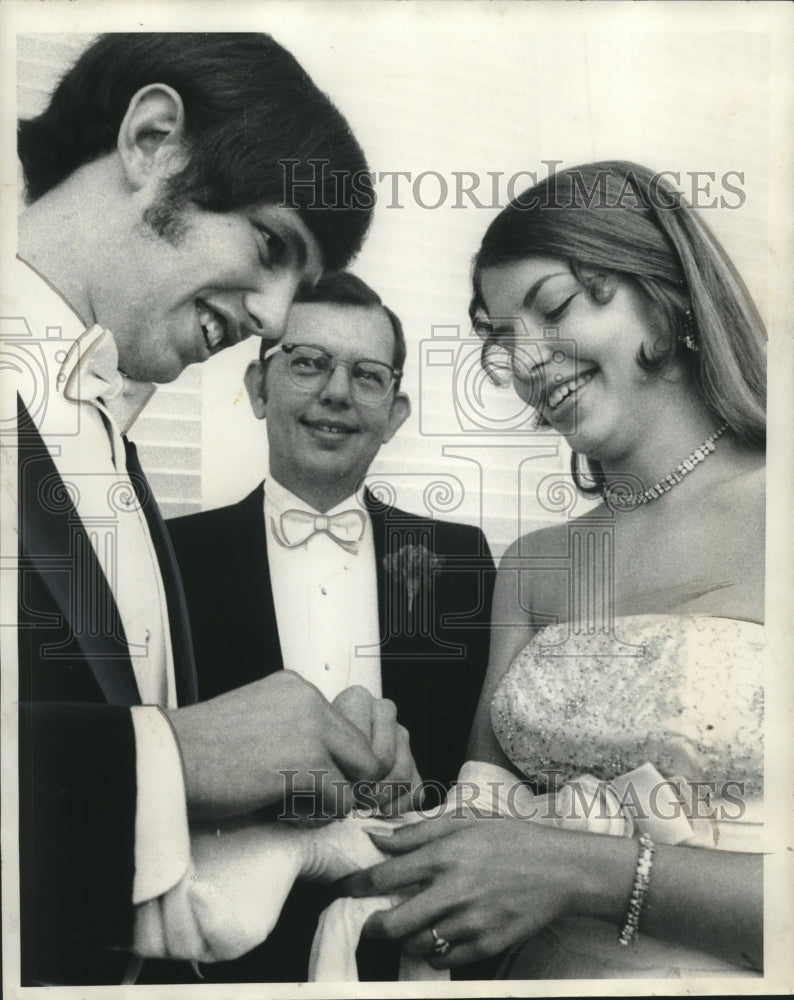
(90, 370)
(279, 499)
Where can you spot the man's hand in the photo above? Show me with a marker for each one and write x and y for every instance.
(272, 740)
(398, 789)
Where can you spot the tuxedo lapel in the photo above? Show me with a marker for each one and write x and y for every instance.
(55, 546)
(409, 625)
(391, 529)
(434, 643)
(377, 514)
(179, 626)
(256, 569)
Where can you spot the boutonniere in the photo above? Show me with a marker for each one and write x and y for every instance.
(412, 566)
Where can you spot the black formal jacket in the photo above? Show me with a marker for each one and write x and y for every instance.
(77, 769)
(433, 661)
(433, 657)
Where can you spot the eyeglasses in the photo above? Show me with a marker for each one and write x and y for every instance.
(310, 368)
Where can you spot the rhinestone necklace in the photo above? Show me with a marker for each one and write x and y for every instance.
(617, 497)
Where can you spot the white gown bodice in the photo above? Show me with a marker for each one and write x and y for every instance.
(683, 693)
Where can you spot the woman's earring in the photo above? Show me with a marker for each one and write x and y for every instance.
(688, 332)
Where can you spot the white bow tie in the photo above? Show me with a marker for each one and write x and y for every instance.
(91, 367)
(297, 526)
(90, 374)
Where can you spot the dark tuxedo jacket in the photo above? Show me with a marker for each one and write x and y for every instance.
(433, 661)
(77, 770)
(433, 658)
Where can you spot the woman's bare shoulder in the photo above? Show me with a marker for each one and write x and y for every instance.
(754, 482)
(551, 540)
(534, 575)
(741, 501)
(753, 476)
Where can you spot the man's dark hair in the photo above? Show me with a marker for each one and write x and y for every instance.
(248, 105)
(345, 289)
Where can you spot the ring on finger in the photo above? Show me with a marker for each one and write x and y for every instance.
(440, 944)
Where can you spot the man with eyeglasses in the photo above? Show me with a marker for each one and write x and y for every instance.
(313, 573)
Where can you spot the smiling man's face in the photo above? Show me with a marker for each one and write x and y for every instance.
(321, 442)
(172, 302)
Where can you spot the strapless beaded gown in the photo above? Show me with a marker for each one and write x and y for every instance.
(683, 693)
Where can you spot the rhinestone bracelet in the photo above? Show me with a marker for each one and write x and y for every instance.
(642, 879)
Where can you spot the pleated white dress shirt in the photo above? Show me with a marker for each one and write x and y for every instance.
(326, 600)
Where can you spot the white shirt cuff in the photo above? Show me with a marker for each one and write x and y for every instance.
(162, 838)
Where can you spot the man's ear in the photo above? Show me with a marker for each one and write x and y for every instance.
(400, 412)
(151, 134)
(255, 379)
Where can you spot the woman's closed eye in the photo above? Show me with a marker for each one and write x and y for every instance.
(559, 311)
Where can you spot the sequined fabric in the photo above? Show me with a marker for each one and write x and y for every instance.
(684, 692)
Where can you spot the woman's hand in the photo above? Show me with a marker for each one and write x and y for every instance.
(486, 883)
(483, 883)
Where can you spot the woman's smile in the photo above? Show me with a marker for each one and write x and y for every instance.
(565, 394)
